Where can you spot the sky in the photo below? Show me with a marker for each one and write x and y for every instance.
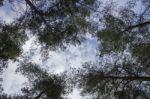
(58, 61)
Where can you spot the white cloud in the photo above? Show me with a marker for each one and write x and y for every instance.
(75, 94)
(8, 11)
(12, 82)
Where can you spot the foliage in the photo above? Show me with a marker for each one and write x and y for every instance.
(58, 23)
(11, 40)
(1, 2)
(105, 84)
(42, 84)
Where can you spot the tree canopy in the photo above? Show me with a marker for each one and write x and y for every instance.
(122, 30)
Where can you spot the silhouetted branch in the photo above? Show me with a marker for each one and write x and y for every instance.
(143, 78)
(39, 95)
(37, 11)
(137, 25)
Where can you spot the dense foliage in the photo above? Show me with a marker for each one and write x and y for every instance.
(59, 23)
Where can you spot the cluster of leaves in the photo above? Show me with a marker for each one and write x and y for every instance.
(11, 40)
(120, 82)
(59, 23)
(42, 84)
(1, 2)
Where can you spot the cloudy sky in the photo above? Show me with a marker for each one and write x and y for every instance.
(58, 61)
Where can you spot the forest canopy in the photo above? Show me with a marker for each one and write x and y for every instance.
(121, 29)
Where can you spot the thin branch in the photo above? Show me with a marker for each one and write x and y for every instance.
(137, 25)
(131, 78)
(39, 95)
(91, 8)
(141, 15)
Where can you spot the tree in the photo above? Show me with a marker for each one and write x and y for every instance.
(128, 79)
(58, 23)
(11, 39)
(42, 84)
(118, 82)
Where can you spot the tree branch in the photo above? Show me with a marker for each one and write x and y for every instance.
(39, 95)
(137, 25)
(37, 11)
(143, 78)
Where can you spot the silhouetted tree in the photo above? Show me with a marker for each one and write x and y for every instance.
(43, 85)
(126, 78)
(54, 22)
(57, 23)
